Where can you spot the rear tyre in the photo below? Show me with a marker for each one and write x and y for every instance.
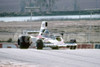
(39, 44)
(55, 48)
(72, 47)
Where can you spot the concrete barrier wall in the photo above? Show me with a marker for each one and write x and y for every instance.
(8, 46)
(85, 46)
(0, 45)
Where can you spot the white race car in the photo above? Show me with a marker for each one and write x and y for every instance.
(44, 39)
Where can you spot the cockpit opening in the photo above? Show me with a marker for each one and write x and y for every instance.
(58, 38)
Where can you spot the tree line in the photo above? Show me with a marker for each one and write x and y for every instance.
(86, 12)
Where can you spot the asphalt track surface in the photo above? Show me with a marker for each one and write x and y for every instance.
(49, 58)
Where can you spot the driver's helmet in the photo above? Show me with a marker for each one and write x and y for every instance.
(46, 33)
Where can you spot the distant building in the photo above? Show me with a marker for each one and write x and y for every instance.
(9, 5)
(48, 5)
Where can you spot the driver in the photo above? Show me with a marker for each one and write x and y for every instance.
(46, 33)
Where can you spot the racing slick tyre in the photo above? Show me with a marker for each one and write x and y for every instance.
(18, 41)
(24, 45)
(72, 47)
(54, 48)
(23, 42)
(39, 44)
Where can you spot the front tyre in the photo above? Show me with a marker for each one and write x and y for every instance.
(24, 42)
(39, 44)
